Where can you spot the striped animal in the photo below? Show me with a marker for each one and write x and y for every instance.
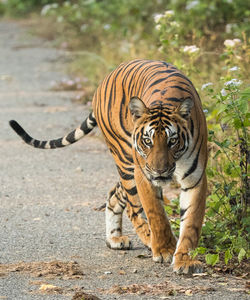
(152, 120)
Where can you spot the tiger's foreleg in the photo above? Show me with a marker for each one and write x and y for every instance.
(192, 207)
(162, 239)
(137, 216)
(114, 209)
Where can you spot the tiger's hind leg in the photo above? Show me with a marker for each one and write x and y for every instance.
(114, 210)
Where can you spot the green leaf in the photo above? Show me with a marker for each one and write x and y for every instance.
(241, 254)
(201, 250)
(237, 123)
(212, 259)
(168, 210)
(228, 256)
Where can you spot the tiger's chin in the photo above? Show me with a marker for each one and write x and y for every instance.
(160, 180)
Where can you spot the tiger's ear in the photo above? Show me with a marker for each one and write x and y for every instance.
(185, 108)
(137, 107)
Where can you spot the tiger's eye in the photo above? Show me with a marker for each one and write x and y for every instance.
(172, 141)
(147, 141)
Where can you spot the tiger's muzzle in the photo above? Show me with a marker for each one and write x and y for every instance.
(159, 177)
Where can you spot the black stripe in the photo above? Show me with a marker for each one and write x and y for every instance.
(174, 99)
(121, 117)
(84, 127)
(135, 214)
(43, 143)
(92, 119)
(180, 88)
(191, 187)
(181, 76)
(194, 164)
(36, 143)
(155, 91)
(56, 143)
(157, 81)
(182, 212)
(191, 127)
(116, 229)
(71, 137)
(132, 191)
(133, 205)
(115, 213)
(124, 175)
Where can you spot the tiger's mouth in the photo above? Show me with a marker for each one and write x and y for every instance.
(160, 180)
(159, 177)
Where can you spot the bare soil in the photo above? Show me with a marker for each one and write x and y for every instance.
(52, 238)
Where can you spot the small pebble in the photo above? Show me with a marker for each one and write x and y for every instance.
(79, 169)
(107, 273)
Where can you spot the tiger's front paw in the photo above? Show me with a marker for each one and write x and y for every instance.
(164, 253)
(183, 264)
(119, 243)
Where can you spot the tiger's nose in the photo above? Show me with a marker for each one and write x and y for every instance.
(167, 170)
(159, 171)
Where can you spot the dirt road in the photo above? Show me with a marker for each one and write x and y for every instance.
(52, 240)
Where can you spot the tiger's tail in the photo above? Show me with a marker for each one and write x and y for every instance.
(87, 125)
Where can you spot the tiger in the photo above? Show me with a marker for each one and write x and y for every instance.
(152, 121)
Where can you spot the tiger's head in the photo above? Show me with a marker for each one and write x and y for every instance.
(160, 137)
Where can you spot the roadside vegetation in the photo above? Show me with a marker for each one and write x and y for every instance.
(209, 41)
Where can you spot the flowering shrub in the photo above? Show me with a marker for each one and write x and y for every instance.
(209, 19)
(227, 221)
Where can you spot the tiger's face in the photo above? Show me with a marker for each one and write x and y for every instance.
(160, 137)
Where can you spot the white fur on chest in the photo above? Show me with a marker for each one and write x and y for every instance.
(183, 165)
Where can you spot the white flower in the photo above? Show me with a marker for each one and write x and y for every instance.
(84, 27)
(205, 85)
(157, 18)
(161, 49)
(235, 68)
(45, 9)
(205, 111)
(237, 41)
(230, 27)
(192, 4)
(233, 82)
(232, 43)
(190, 49)
(54, 5)
(107, 26)
(229, 43)
(59, 19)
(169, 13)
(70, 82)
(223, 92)
(66, 3)
(174, 24)
(158, 27)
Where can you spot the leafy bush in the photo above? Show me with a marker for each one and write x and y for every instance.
(18, 7)
(210, 19)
